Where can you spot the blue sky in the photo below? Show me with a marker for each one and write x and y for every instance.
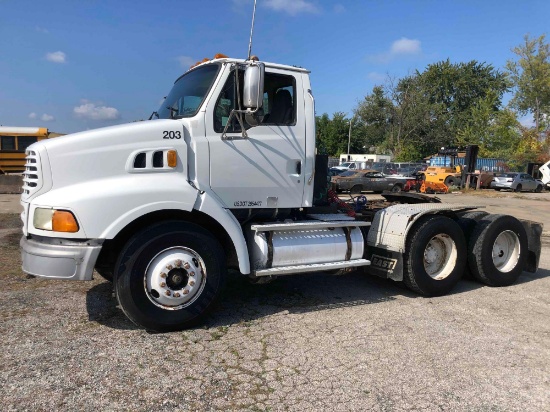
(75, 65)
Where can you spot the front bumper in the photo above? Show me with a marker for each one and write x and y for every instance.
(58, 258)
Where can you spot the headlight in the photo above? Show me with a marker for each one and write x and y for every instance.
(56, 220)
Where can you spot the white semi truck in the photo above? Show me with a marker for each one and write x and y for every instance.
(223, 176)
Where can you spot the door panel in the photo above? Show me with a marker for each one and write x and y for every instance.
(267, 168)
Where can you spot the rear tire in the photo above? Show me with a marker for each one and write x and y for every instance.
(356, 190)
(169, 275)
(435, 256)
(396, 188)
(467, 223)
(497, 250)
(518, 188)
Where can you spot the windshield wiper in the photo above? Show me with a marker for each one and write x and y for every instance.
(154, 114)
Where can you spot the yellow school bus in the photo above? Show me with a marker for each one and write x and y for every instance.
(14, 141)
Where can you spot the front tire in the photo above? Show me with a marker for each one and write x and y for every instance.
(434, 260)
(450, 181)
(538, 189)
(396, 188)
(169, 275)
(518, 188)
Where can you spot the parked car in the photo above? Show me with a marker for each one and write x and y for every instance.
(333, 171)
(518, 182)
(367, 180)
(348, 166)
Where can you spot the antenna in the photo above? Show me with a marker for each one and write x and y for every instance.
(251, 31)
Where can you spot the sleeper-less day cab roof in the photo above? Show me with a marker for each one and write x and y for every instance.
(267, 64)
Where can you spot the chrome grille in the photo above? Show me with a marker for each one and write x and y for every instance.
(32, 176)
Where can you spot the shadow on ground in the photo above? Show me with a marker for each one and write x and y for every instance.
(103, 308)
(246, 302)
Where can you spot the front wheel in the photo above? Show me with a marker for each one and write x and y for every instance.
(169, 275)
(538, 189)
(450, 181)
(434, 260)
(396, 188)
(518, 188)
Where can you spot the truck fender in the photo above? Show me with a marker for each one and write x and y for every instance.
(390, 226)
(388, 233)
(209, 205)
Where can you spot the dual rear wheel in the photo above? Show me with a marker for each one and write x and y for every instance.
(439, 250)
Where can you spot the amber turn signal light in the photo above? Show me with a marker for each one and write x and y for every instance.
(172, 158)
(64, 221)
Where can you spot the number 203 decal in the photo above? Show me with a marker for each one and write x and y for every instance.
(171, 134)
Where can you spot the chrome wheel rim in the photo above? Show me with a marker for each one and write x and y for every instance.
(440, 256)
(506, 251)
(175, 278)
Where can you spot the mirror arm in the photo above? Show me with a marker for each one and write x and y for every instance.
(231, 115)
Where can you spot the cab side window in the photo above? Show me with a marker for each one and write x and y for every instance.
(280, 95)
(279, 103)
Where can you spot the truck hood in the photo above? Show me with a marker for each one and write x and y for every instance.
(100, 153)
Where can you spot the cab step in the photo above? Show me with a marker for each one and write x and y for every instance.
(316, 267)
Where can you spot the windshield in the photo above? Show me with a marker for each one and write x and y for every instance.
(347, 164)
(348, 173)
(506, 175)
(188, 93)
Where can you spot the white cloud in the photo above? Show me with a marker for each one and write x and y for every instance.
(41, 30)
(339, 8)
(92, 111)
(47, 118)
(399, 48)
(56, 57)
(376, 77)
(292, 7)
(405, 46)
(186, 61)
(32, 115)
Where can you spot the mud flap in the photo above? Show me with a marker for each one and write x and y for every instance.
(534, 232)
(385, 263)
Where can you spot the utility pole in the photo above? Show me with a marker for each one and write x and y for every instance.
(349, 135)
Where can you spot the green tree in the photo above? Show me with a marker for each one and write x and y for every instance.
(530, 76)
(374, 115)
(414, 116)
(458, 87)
(498, 133)
(332, 134)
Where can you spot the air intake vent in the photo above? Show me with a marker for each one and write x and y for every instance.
(140, 161)
(32, 177)
(158, 159)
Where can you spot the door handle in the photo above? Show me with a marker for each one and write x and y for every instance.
(299, 167)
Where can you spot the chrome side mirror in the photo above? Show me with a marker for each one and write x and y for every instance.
(253, 89)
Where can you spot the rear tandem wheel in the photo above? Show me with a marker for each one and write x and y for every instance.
(435, 256)
(497, 250)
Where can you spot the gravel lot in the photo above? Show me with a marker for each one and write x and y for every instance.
(310, 342)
